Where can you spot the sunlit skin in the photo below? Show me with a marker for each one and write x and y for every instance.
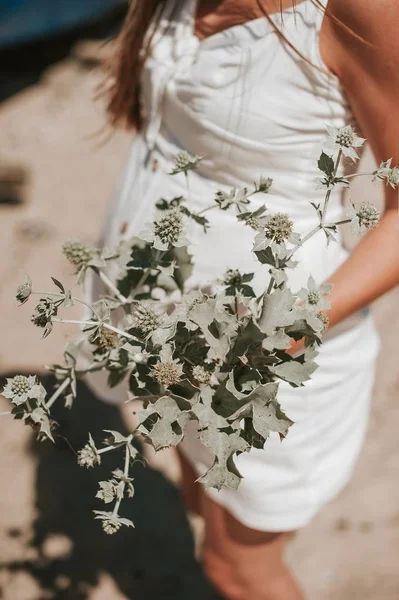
(245, 564)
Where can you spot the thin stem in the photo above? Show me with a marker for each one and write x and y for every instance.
(142, 280)
(126, 474)
(309, 235)
(111, 286)
(149, 397)
(204, 210)
(6, 412)
(189, 198)
(106, 449)
(89, 370)
(358, 175)
(58, 392)
(158, 255)
(328, 193)
(271, 284)
(341, 222)
(106, 325)
(236, 305)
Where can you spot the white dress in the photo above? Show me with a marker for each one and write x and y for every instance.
(253, 107)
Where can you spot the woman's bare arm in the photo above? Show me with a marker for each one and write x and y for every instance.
(370, 77)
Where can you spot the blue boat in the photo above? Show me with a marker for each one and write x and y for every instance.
(29, 20)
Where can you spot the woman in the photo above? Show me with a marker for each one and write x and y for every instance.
(251, 85)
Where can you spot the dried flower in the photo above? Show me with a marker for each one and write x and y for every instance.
(167, 373)
(43, 312)
(78, 254)
(183, 162)
(279, 227)
(344, 139)
(88, 456)
(111, 523)
(390, 174)
(21, 388)
(24, 291)
(146, 319)
(104, 338)
(201, 375)
(363, 218)
(313, 295)
(167, 230)
(264, 185)
(232, 277)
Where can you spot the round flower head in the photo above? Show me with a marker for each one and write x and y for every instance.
(88, 456)
(111, 523)
(201, 375)
(43, 312)
(21, 388)
(78, 254)
(366, 216)
(146, 319)
(183, 162)
(104, 339)
(279, 227)
(264, 184)
(167, 373)
(24, 291)
(167, 230)
(313, 295)
(232, 277)
(343, 139)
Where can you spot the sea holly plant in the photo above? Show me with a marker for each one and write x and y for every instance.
(213, 356)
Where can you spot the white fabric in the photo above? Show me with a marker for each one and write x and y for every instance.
(253, 107)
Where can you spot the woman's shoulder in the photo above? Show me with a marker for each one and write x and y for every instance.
(361, 34)
(365, 18)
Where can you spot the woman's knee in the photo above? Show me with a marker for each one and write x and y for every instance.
(243, 563)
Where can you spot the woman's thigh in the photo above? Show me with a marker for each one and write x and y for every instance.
(238, 559)
(191, 490)
(244, 563)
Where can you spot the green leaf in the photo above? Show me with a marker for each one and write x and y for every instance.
(224, 445)
(279, 341)
(266, 257)
(276, 310)
(266, 413)
(58, 284)
(247, 336)
(170, 422)
(326, 164)
(295, 372)
(116, 438)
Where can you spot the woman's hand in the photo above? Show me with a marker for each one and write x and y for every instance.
(367, 65)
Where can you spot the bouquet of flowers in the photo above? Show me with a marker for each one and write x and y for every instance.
(214, 358)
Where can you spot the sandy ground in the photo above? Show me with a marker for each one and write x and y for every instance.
(49, 546)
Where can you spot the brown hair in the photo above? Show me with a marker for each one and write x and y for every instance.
(132, 47)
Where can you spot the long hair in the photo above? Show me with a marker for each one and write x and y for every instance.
(132, 48)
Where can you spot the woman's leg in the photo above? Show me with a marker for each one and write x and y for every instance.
(243, 563)
(191, 491)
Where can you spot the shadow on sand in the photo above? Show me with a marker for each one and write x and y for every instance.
(151, 562)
